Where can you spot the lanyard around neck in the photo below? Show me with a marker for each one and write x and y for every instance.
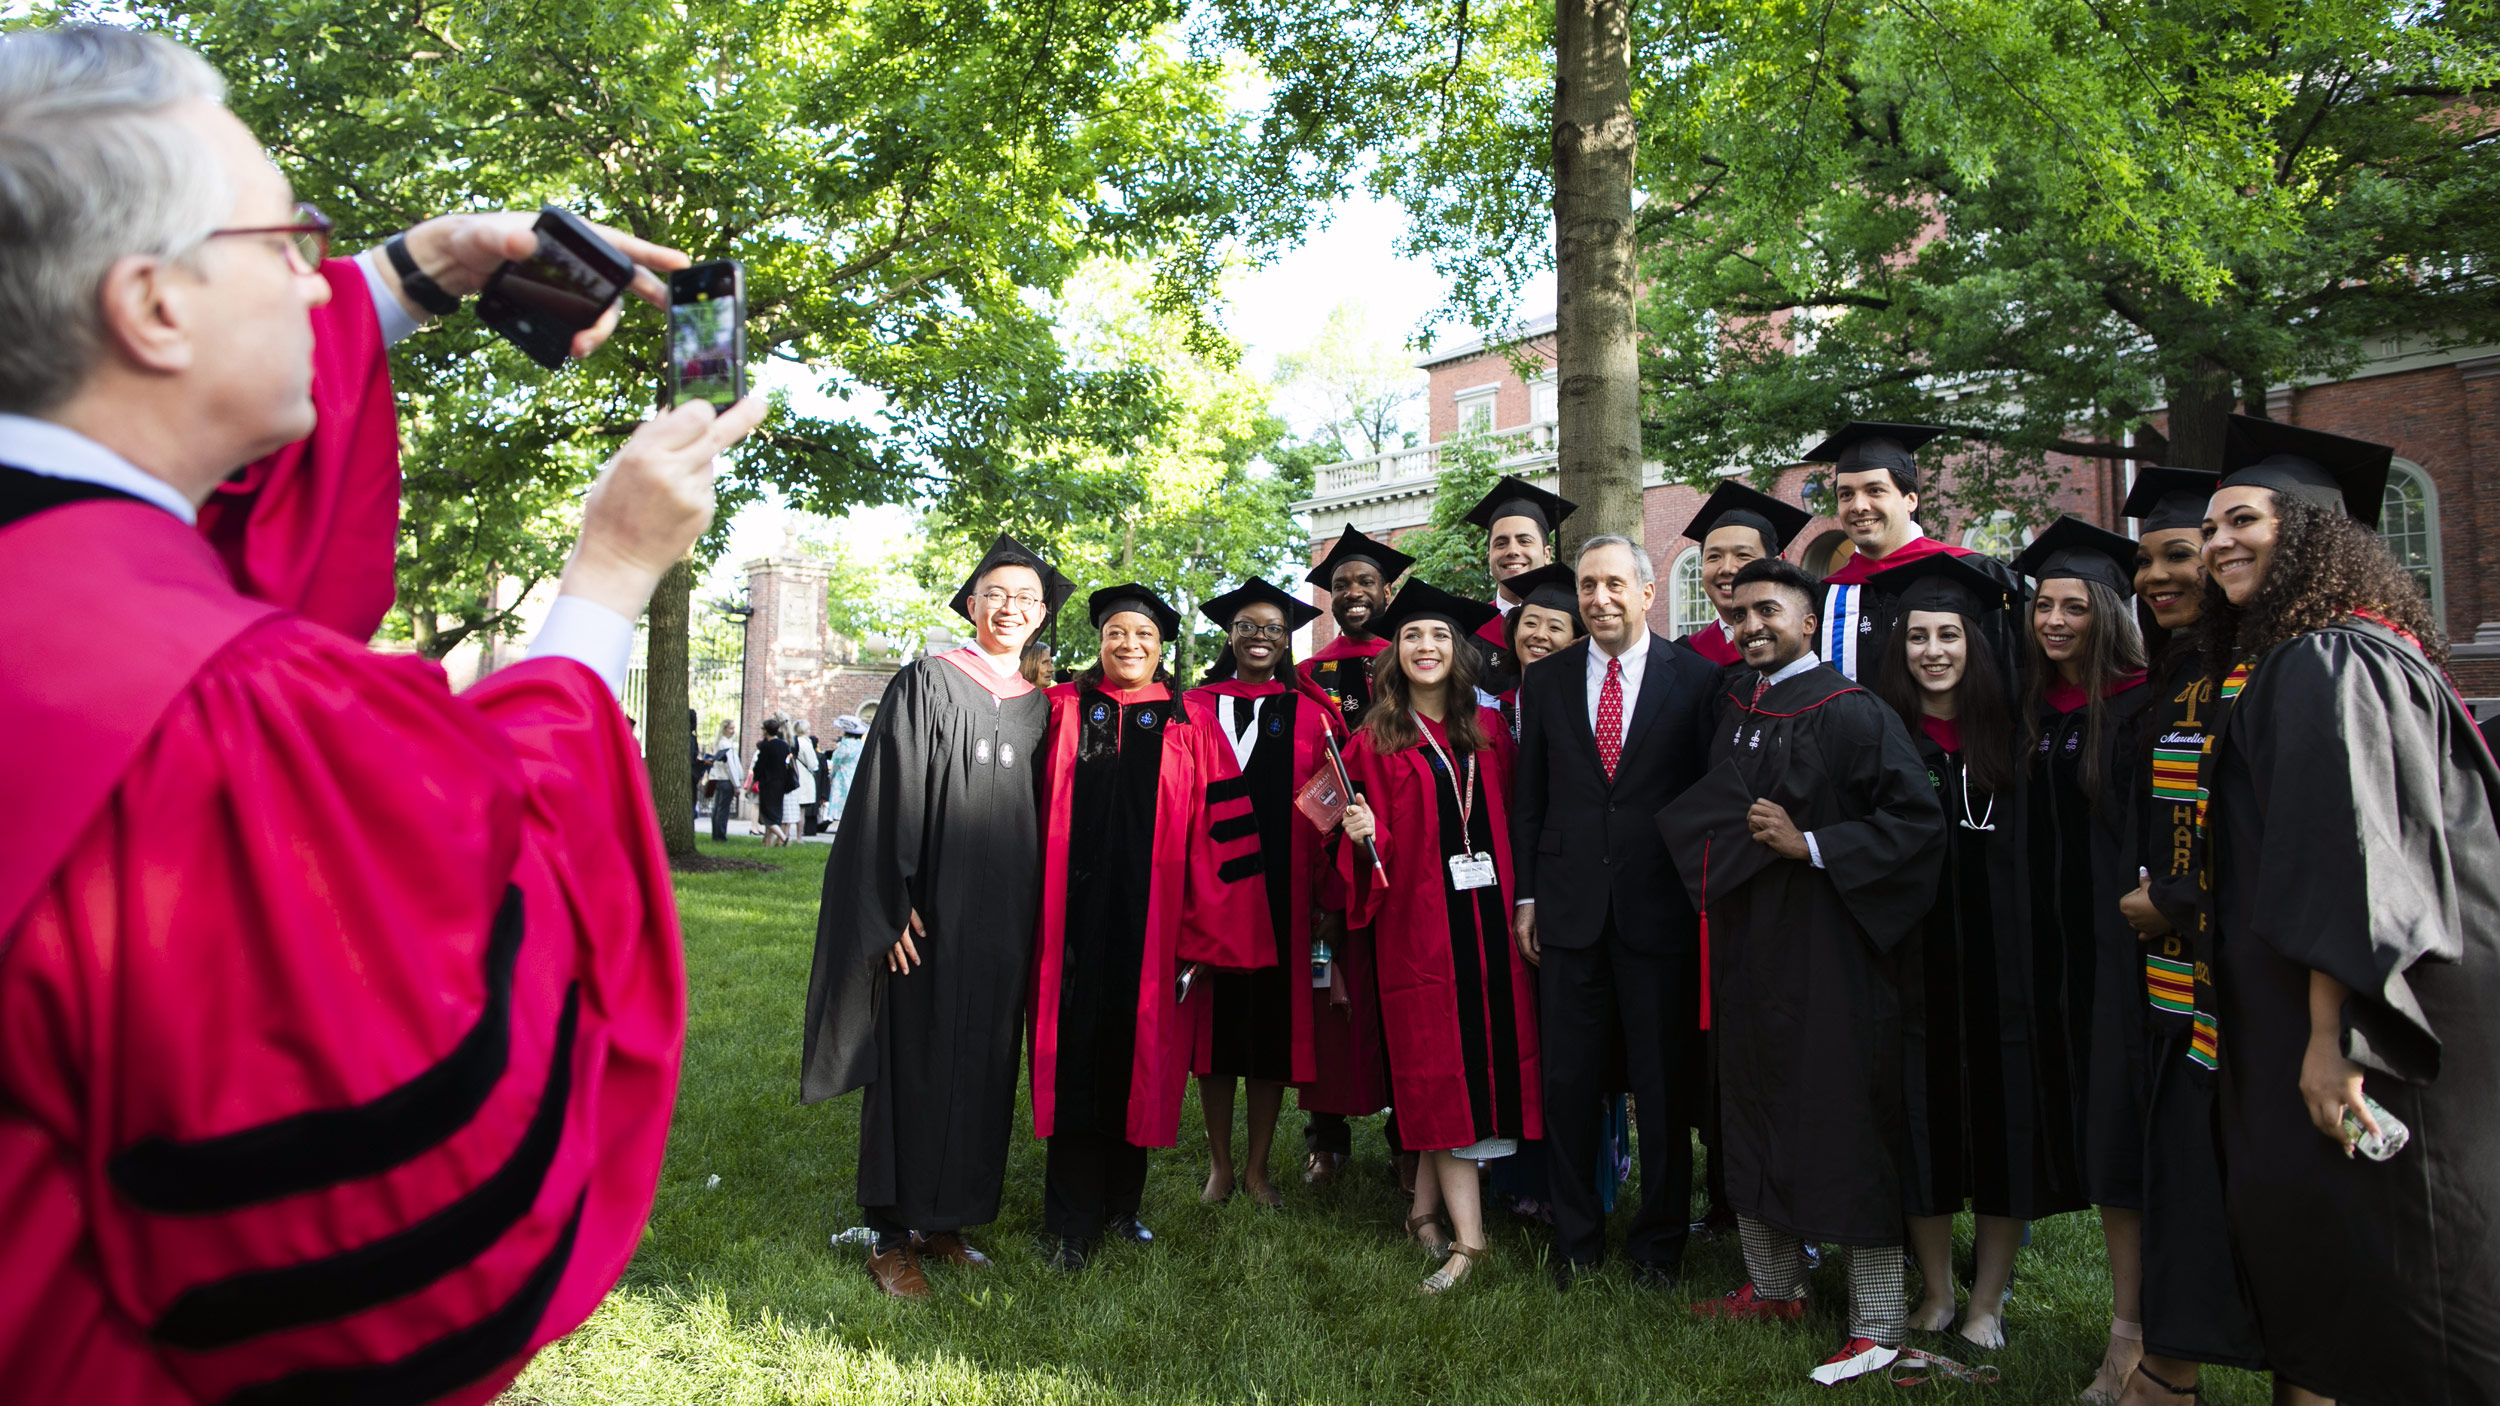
(1466, 792)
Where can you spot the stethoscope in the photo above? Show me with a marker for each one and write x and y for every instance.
(1987, 817)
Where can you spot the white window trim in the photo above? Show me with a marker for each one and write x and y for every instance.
(2421, 477)
(1675, 586)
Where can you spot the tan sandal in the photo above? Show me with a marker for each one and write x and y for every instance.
(1443, 1280)
(1415, 1227)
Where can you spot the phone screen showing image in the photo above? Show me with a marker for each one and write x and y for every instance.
(707, 333)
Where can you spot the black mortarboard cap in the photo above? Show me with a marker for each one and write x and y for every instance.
(1422, 600)
(1129, 595)
(2321, 467)
(1516, 497)
(1007, 551)
(1555, 587)
(2165, 498)
(2073, 548)
(1872, 444)
(1258, 590)
(1734, 504)
(1354, 545)
(1941, 581)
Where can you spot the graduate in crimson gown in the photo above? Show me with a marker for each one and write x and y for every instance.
(1349, 1078)
(2354, 867)
(1457, 1008)
(1137, 887)
(1875, 488)
(323, 1100)
(1255, 1026)
(1737, 523)
(924, 936)
(1813, 847)
(1518, 519)
(2195, 1312)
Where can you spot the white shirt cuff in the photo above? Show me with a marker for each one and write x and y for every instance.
(590, 634)
(396, 323)
(1813, 850)
(1524, 903)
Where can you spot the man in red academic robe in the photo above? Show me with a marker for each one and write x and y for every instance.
(1351, 1078)
(314, 1083)
(1518, 519)
(1875, 489)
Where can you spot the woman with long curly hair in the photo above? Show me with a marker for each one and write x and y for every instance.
(2353, 866)
(2082, 694)
(1456, 1008)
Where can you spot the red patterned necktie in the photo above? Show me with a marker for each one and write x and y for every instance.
(1610, 719)
(1761, 687)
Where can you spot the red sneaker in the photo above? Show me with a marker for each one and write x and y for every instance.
(1856, 1358)
(1744, 1303)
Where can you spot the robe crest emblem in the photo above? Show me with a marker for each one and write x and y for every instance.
(2073, 741)
(1101, 711)
(1006, 754)
(1755, 742)
(1276, 725)
(1145, 719)
(981, 751)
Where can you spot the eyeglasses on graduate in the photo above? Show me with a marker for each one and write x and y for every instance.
(307, 240)
(1021, 600)
(1247, 630)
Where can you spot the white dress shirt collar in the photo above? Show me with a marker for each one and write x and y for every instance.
(1795, 667)
(56, 451)
(1635, 663)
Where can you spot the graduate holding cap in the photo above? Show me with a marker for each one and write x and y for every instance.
(1875, 495)
(1518, 519)
(1432, 770)
(2354, 880)
(925, 931)
(1351, 1081)
(1737, 523)
(2194, 1311)
(1256, 1025)
(2083, 693)
(1968, 1001)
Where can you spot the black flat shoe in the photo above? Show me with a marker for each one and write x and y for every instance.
(1656, 1276)
(1072, 1254)
(1133, 1230)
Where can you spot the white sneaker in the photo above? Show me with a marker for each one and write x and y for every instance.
(1856, 1358)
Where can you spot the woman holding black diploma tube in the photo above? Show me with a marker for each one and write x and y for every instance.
(1255, 1026)
(1432, 770)
(2354, 867)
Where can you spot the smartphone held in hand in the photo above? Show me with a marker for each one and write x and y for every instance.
(539, 303)
(707, 333)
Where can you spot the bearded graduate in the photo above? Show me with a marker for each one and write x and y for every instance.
(1350, 1079)
(2355, 898)
(1255, 1026)
(300, 1099)
(1974, 1101)
(1813, 846)
(1139, 883)
(2195, 1313)
(924, 934)
(2083, 696)
(1738, 523)
(1875, 491)
(1518, 519)
(1458, 1011)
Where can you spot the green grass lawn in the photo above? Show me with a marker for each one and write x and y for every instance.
(736, 1296)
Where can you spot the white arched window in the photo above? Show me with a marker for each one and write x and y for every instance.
(1996, 535)
(2408, 522)
(1688, 604)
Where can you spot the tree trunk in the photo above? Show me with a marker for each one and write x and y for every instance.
(666, 751)
(1597, 371)
(2201, 402)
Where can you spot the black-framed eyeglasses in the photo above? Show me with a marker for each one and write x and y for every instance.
(1250, 630)
(307, 240)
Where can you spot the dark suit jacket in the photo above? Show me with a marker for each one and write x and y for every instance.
(1580, 846)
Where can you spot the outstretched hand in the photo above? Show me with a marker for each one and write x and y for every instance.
(461, 252)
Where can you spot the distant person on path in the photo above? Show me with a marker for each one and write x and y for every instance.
(723, 779)
(773, 783)
(841, 764)
(800, 812)
(925, 935)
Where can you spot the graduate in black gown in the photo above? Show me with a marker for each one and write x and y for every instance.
(1967, 996)
(2355, 879)
(1813, 846)
(925, 931)
(2083, 693)
(2194, 1311)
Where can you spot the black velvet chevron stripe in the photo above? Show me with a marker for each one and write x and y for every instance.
(1239, 827)
(1231, 788)
(269, 1300)
(332, 1145)
(1233, 871)
(443, 1365)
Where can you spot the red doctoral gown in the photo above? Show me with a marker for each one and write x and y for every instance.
(1460, 1030)
(341, 1015)
(1711, 643)
(1190, 891)
(1350, 1073)
(1293, 877)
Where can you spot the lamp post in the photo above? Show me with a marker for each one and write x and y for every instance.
(743, 613)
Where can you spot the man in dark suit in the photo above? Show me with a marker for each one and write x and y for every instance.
(1611, 728)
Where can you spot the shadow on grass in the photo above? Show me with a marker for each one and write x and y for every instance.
(737, 1297)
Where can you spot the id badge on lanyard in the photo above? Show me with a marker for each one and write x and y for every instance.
(1474, 868)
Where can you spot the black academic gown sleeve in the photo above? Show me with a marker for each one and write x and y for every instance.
(1884, 860)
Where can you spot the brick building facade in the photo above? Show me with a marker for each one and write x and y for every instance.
(2439, 408)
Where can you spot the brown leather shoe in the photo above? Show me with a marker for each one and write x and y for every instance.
(950, 1247)
(897, 1272)
(1321, 1169)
